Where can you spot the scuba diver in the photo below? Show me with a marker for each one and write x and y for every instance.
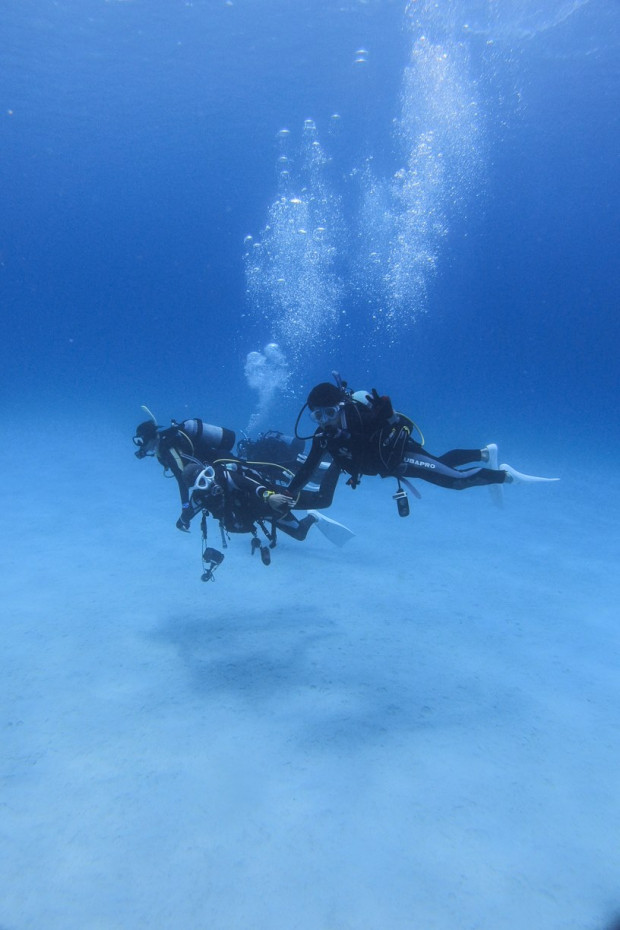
(243, 501)
(277, 456)
(364, 435)
(179, 444)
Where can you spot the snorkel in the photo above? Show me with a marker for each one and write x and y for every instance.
(146, 435)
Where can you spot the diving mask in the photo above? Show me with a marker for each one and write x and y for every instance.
(323, 415)
(204, 480)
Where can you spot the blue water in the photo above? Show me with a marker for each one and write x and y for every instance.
(207, 207)
(140, 148)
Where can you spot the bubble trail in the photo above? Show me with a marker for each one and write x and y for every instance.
(290, 270)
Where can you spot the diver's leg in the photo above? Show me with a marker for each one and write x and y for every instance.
(297, 529)
(456, 457)
(417, 464)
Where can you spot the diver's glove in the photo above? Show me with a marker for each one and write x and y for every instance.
(381, 405)
(184, 520)
(279, 503)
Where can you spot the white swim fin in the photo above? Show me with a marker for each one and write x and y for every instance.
(515, 477)
(497, 495)
(495, 490)
(337, 533)
(492, 456)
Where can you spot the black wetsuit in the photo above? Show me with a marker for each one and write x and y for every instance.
(373, 440)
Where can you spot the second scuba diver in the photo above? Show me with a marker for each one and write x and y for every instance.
(364, 435)
(243, 501)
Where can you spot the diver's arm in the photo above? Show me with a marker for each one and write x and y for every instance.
(245, 484)
(321, 499)
(271, 501)
(381, 406)
(171, 459)
(305, 472)
(189, 511)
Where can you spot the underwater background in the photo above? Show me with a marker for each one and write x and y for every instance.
(207, 207)
(452, 167)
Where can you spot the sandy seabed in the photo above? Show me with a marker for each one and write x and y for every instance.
(419, 730)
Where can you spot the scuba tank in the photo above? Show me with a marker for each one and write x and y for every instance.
(205, 438)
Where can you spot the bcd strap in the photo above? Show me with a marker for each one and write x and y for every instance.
(271, 536)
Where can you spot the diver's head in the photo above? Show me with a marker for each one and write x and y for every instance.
(324, 403)
(199, 479)
(146, 439)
